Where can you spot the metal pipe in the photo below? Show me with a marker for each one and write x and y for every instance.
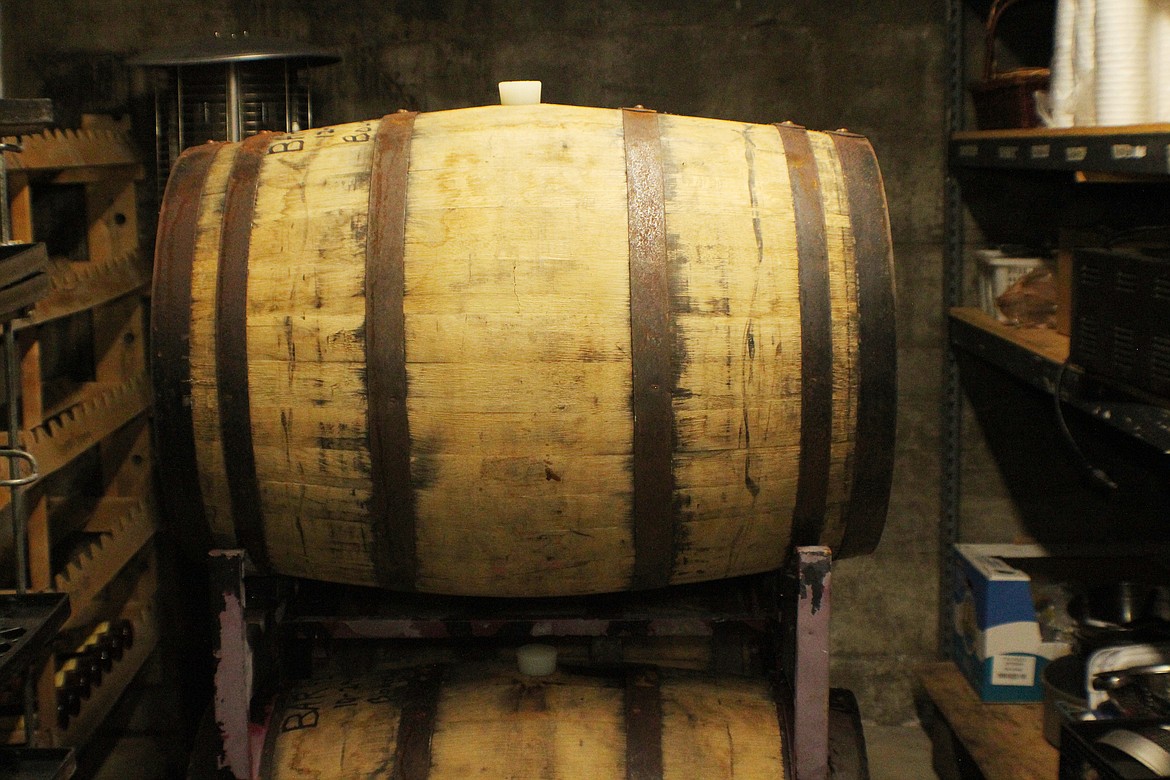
(179, 107)
(1, 48)
(12, 385)
(233, 103)
(308, 107)
(288, 122)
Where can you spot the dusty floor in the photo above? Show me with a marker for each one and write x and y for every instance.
(898, 752)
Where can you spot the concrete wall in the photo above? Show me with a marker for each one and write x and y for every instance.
(874, 67)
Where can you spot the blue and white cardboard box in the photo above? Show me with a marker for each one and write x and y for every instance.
(997, 641)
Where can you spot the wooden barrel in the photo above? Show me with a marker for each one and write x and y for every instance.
(483, 721)
(527, 350)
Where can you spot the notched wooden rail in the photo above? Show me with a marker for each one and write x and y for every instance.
(119, 540)
(102, 410)
(71, 149)
(78, 286)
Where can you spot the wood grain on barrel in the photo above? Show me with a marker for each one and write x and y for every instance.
(723, 727)
(533, 431)
(733, 250)
(493, 723)
(336, 726)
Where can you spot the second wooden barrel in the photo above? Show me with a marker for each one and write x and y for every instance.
(484, 721)
(527, 350)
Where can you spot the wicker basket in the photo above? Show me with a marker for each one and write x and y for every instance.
(1005, 99)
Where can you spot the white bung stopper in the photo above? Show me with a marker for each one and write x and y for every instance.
(536, 660)
(519, 93)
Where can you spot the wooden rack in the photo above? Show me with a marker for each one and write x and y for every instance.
(93, 430)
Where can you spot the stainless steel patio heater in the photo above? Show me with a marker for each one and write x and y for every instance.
(227, 88)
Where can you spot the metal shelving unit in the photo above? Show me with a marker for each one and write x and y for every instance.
(1134, 154)
(1058, 159)
(1140, 154)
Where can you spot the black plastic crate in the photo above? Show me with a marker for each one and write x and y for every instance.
(1121, 319)
(1083, 757)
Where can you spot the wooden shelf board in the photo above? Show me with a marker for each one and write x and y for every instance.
(1032, 133)
(74, 513)
(73, 396)
(1044, 342)
(1005, 740)
(1036, 356)
(60, 149)
(109, 513)
(93, 174)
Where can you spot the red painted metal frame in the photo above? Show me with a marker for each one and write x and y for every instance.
(810, 664)
(239, 738)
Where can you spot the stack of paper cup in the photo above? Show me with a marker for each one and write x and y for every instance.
(1123, 61)
(1063, 79)
(1159, 61)
(1084, 101)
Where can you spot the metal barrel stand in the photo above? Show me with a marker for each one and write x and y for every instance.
(267, 628)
